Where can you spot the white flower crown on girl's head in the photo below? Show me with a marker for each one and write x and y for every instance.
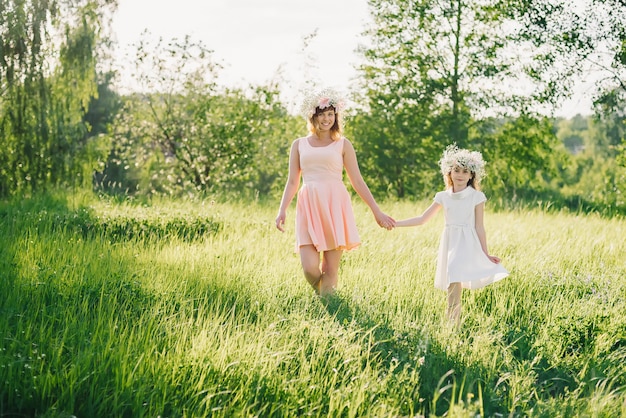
(321, 99)
(455, 156)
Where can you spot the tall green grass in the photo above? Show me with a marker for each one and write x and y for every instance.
(188, 309)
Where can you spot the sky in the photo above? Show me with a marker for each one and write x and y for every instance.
(254, 40)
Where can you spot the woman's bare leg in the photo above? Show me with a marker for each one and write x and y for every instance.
(310, 259)
(330, 271)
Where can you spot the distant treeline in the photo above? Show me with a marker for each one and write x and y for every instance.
(432, 76)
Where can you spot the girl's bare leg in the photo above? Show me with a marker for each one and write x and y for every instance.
(454, 302)
(330, 271)
(310, 259)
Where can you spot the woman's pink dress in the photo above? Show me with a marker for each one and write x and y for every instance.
(324, 215)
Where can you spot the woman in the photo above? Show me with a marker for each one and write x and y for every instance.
(325, 225)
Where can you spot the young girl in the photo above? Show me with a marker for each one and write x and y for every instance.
(325, 224)
(464, 261)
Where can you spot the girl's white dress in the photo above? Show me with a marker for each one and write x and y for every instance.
(461, 258)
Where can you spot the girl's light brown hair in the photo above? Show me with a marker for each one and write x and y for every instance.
(473, 181)
(472, 161)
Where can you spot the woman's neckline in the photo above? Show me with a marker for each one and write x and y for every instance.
(309, 138)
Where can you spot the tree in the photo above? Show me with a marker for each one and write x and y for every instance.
(182, 134)
(585, 39)
(48, 59)
(433, 70)
(522, 155)
(572, 133)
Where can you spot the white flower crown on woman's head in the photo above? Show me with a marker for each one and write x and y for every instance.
(321, 99)
(470, 160)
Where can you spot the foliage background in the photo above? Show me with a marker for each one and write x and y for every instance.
(433, 75)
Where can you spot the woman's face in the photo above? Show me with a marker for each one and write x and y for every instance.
(326, 120)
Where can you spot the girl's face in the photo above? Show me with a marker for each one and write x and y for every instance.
(460, 177)
(325, 120)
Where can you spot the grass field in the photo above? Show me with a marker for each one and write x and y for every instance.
(193, 309)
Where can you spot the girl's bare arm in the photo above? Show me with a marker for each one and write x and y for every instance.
(423, 218)
(479, 212)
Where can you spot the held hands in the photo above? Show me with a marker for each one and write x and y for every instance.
(385, 221)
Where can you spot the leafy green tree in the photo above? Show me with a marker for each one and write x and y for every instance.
(433, 70)
(100, 115)
(184, 135)
(104, 106)
(592, 178)
(572, 132)
(610, 149)
(48, 60)
(397, 151)
(611, 116)
(585, 39)
(522, 156)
